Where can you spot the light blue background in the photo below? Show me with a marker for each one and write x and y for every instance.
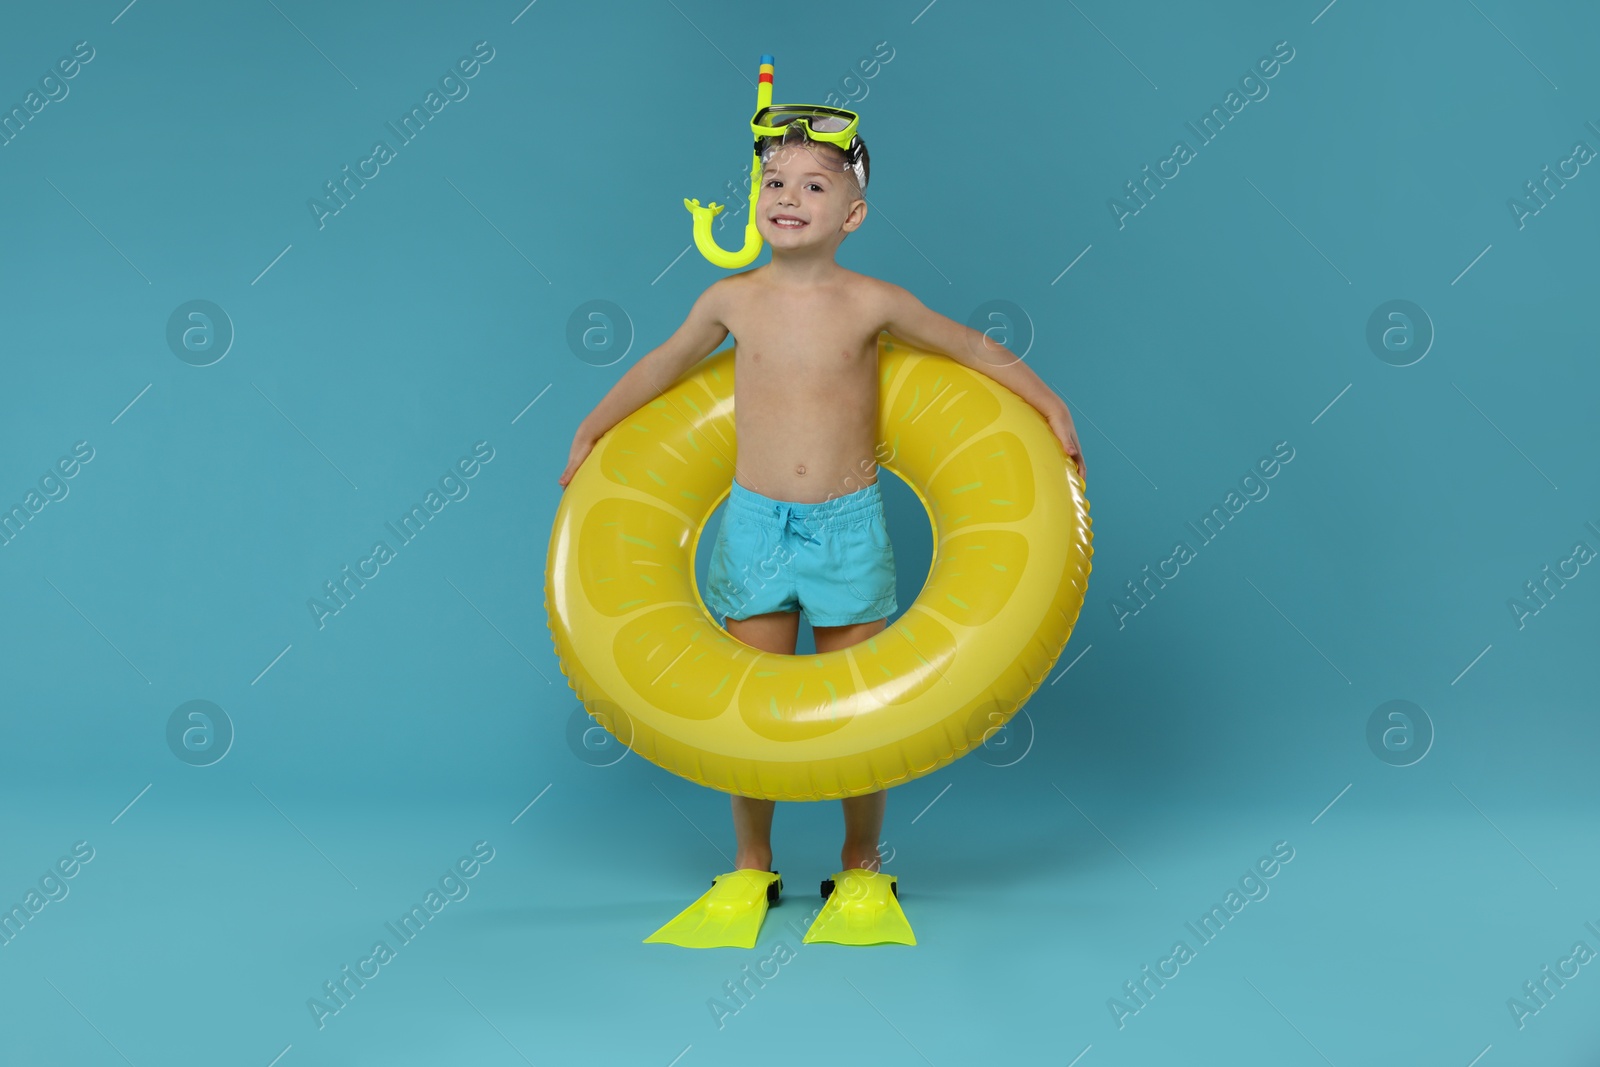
(371, 354)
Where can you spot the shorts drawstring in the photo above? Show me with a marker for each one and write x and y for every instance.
(787, 514)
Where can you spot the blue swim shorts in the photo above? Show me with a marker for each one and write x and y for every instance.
(832, 559)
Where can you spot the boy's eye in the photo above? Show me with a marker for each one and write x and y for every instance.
(773, 183)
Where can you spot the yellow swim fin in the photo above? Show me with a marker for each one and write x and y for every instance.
(728, 915)
(863, 908)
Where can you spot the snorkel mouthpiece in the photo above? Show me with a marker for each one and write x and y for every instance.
(703, 238)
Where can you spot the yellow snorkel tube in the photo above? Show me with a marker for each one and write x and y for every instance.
(703, 238)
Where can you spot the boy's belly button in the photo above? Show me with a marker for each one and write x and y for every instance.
(800, 468)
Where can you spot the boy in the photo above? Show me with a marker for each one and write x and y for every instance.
(806, 417)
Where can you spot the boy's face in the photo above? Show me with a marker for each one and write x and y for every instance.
(804, 201)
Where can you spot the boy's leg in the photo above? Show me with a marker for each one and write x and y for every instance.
(752, 827)
(863, 822)
(778, 632)
(863, 815)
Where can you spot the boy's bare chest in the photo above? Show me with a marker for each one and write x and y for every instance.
(804, 364)
(804, 348)
(803, 356)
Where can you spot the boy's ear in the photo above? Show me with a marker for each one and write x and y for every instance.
(858, 215)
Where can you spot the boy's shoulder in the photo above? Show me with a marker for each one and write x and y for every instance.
(729, 284)
(729, 291)
(879, 298)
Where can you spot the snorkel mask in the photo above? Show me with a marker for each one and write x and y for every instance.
(778, 129)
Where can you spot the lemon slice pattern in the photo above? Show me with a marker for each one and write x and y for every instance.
(1012, 548)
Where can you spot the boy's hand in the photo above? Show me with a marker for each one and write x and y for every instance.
(582, 445)
(1060, 420)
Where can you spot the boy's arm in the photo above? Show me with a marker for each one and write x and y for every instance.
(647, 379)
(906, 317)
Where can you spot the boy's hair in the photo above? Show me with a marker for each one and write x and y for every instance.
(858, 154)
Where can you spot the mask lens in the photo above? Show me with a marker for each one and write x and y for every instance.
(820, 121)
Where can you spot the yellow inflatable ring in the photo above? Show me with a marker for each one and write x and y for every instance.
(1012, 545)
